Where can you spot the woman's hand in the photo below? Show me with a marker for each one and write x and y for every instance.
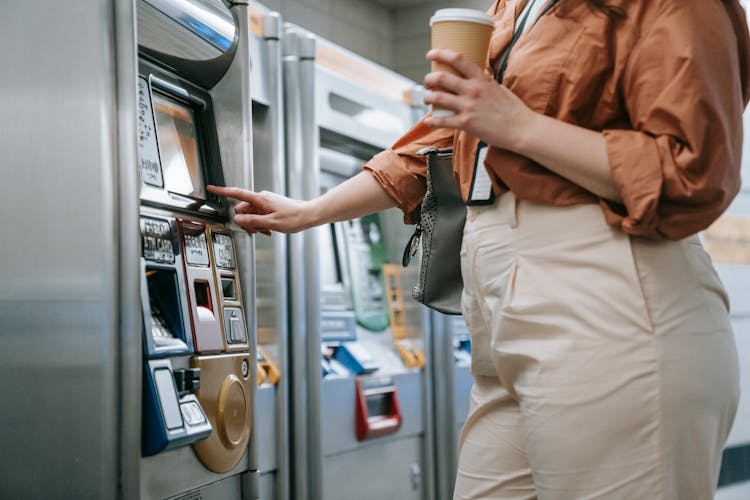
(265, 211)
(483, 108)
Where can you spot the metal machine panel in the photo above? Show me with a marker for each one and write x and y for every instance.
(336, 121)
(267, 421)
(346, 473)
(359, 100)
(59, 300)
(196, 38)
(225, 378)
(272, 311)
(337, 407)
(267, 485)
(161, 477)
(302, 166)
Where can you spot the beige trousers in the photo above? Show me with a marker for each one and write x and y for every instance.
(605, 364)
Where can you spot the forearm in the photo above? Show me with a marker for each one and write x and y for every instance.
(576, 153)
(356, 197)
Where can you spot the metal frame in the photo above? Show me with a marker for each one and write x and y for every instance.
(61, 306)
(302, 163)
(267, 90)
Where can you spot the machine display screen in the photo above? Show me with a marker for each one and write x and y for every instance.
(178, 147)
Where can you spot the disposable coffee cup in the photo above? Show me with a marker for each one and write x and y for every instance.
(466, 31)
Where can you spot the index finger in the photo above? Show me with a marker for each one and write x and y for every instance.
(458, 61)
(233, 192)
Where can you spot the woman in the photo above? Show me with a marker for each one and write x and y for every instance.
(603, 356)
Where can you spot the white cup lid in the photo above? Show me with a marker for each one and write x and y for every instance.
(470, 15)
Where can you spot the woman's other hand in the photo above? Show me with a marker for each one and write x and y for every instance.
(483, 108)
(264, 212)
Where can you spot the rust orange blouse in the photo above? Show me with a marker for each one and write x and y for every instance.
(666, 85)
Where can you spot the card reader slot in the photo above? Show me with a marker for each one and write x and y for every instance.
(164, 301)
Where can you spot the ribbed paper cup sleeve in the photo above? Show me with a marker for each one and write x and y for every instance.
(471, 39)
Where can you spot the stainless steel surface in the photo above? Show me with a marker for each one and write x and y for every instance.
(267, 486)
(442, 370)
(209, 20)
(347, 124)
(59, 309)
(267, 422)
(339, 164)
(452, 384)
(349, 109)
(130, 347)
(428, 407)
(337, 411)
(271, 253)
(302, 164)
(196, 38)
(231, 98)
(220, 490)
(179, 471)
(382, 470)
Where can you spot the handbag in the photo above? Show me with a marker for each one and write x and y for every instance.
(440, 232)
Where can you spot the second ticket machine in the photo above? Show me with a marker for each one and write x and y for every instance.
(356, 360)
(271, 260)
(199, 364)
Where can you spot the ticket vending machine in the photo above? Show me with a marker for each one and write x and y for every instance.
(197, 271)
(361, 416)
(125, 284)
(271, 257)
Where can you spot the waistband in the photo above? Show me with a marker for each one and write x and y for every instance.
(520, 219)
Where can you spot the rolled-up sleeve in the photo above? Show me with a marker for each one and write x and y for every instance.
(401, 173)
(678, 168)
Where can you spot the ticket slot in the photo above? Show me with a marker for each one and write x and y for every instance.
(410, 354)
(268, 367)
(225, 394)
(377, 409)
(165, 308)
(227, 280)
(172, 416)
(165, 315)
(202, 295)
